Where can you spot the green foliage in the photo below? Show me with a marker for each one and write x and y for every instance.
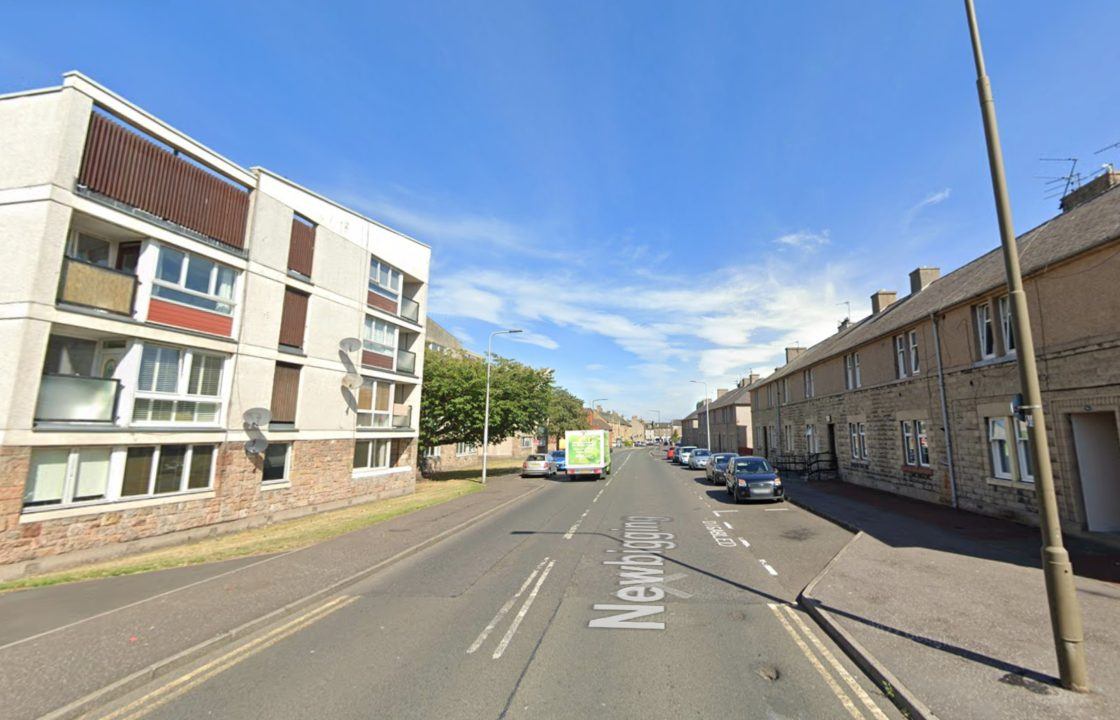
(565, 412)
(453, 401)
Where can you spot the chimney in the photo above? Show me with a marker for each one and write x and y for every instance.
(749, 380)
(881, 300)
(721, 392)
(844, 324)
(793, 352)
(1106, 181)
(920, 278)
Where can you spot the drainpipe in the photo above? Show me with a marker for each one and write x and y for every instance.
(944, 413)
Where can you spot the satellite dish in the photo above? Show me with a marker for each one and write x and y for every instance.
(256, 446)
(350, 344)
(352, 381)
(256, 417)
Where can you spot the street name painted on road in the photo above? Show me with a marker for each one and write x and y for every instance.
(641, 569)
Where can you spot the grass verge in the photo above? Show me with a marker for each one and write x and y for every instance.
(280, 537)
(494, 468)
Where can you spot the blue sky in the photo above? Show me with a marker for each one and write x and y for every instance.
(654, 191)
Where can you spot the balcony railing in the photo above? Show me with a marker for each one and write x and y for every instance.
(410, 310)
(406, 361)
(95, 286)
(402, 416)
(73, 398)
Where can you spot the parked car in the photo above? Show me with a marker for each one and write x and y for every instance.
(683, 453)
(698, 458)
(671, 453)
(717, 463)
(536, 466)
(753, 478)
(556, 458)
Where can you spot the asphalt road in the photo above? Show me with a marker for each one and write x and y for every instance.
(647, 595)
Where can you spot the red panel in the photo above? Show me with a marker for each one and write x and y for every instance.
(373, 359)
(381, 302)
(166, 313)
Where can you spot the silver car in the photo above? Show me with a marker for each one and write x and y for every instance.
(698, 458)
(536, 466)
(683, 452)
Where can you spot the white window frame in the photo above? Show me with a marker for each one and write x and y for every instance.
(900, 356)
(370, 341)
(465, 449)
(1007, 329)
(70, 478)
(371, 453)
(921, 440)
(287, 476)
(915, 360)
(770, 395)
(182, 383)
(909, 444)
(853, 439)
(985, 328)
(1023, 449)
(855, 364)
(188, 460)
(373, 413)
(375, 283)
(180, 285)
(810, 439)
(993, 443)
(809, 385)
(785, 390)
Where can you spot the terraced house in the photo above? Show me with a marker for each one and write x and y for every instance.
(188, 345)
(917, 398)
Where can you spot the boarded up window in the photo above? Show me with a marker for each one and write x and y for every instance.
(294, 318)
(301, 247)
(285, 394)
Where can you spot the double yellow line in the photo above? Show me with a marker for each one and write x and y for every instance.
(184, 683)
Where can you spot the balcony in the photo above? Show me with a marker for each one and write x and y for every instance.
(410, 310)
(96, 286)
(406, 362)
(76, 399)
(402, 416)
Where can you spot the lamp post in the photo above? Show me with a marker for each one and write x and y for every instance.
(707, 412)
(486, 415)
(1065, 613)
(657, 428)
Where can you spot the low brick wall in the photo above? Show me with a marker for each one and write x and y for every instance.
(320, 479)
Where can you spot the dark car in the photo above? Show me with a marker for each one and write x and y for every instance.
(717, 463)
(753, 478)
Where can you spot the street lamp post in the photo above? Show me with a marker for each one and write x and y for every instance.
(1065, 613)
(707, 412)
(486, 412)
(658, 426)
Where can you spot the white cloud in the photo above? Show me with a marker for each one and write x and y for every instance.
(804, 239)
(594, 367)
(534, 338)
(935, 198)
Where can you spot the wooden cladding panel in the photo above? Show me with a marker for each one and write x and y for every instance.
(301, 247)
(381, 302)
(294, 318)
(124, 166)
(285, 393)
(377, 360)
(176, 315)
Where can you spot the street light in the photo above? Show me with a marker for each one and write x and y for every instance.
(486, 416)
(707, 412)
(1065, 613)
(658, 426)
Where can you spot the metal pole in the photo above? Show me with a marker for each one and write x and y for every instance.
(1065, 613)
(707, 413)
(486, 412)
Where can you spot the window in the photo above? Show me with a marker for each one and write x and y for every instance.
(432, 451)
(526, 442)
(371, 454)
(466, 449)
(179, 386)
(810, 439)
(165, 469)
(785, 390)
(384, 279)
(285, 395)
(374, 407)
(985, 335)
(808, 380)
(909, 448)
(923, 442)
(852, 378)
(1023, 446)
(915, 364)
(293, 318)
(900, 356)
(69, 356)
(999, 448)
(862, 440)
(60, 476)
(380, 337)
(855, 364)
(91, 249)
(274, 464)
(194, 280)
(787, 438)
(853, 438)
(770, 395)
(1005, 325)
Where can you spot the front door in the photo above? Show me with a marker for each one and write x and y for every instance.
(832, 445)
(1098, 463)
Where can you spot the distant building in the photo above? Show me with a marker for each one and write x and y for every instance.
(731, 419)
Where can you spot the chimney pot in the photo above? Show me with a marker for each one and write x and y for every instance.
(881, 300)
(920, 278)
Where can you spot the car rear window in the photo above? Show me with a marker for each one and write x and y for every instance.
(537, 457)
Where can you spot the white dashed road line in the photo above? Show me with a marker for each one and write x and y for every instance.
(597, 496)
(745, 543)
(572, 530)
(728, 525)
(769, 569)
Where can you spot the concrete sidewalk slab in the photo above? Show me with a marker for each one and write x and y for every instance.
(954, 606)
(127, 646)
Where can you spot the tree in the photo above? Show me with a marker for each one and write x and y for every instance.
(453, 400)
(565, 412)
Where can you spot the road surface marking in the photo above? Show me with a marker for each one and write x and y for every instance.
(718, 534)
(728, 525)
(840, 670)
(597, 496)
(777, 509)
(177, 687)
(522, 612)
(504, 609)
(836, 689)
(572, 530)
(769, 569)
(745, 543)
(717, 513)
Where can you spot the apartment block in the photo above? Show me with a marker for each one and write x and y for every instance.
(730, 413)
(189, 346)
(918, 397)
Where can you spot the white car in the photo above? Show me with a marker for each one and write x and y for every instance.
(536, 466)
(698, 458)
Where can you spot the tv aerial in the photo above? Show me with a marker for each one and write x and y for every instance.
(1070, 181)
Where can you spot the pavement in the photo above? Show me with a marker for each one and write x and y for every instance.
(648, 594)
(953, 605)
